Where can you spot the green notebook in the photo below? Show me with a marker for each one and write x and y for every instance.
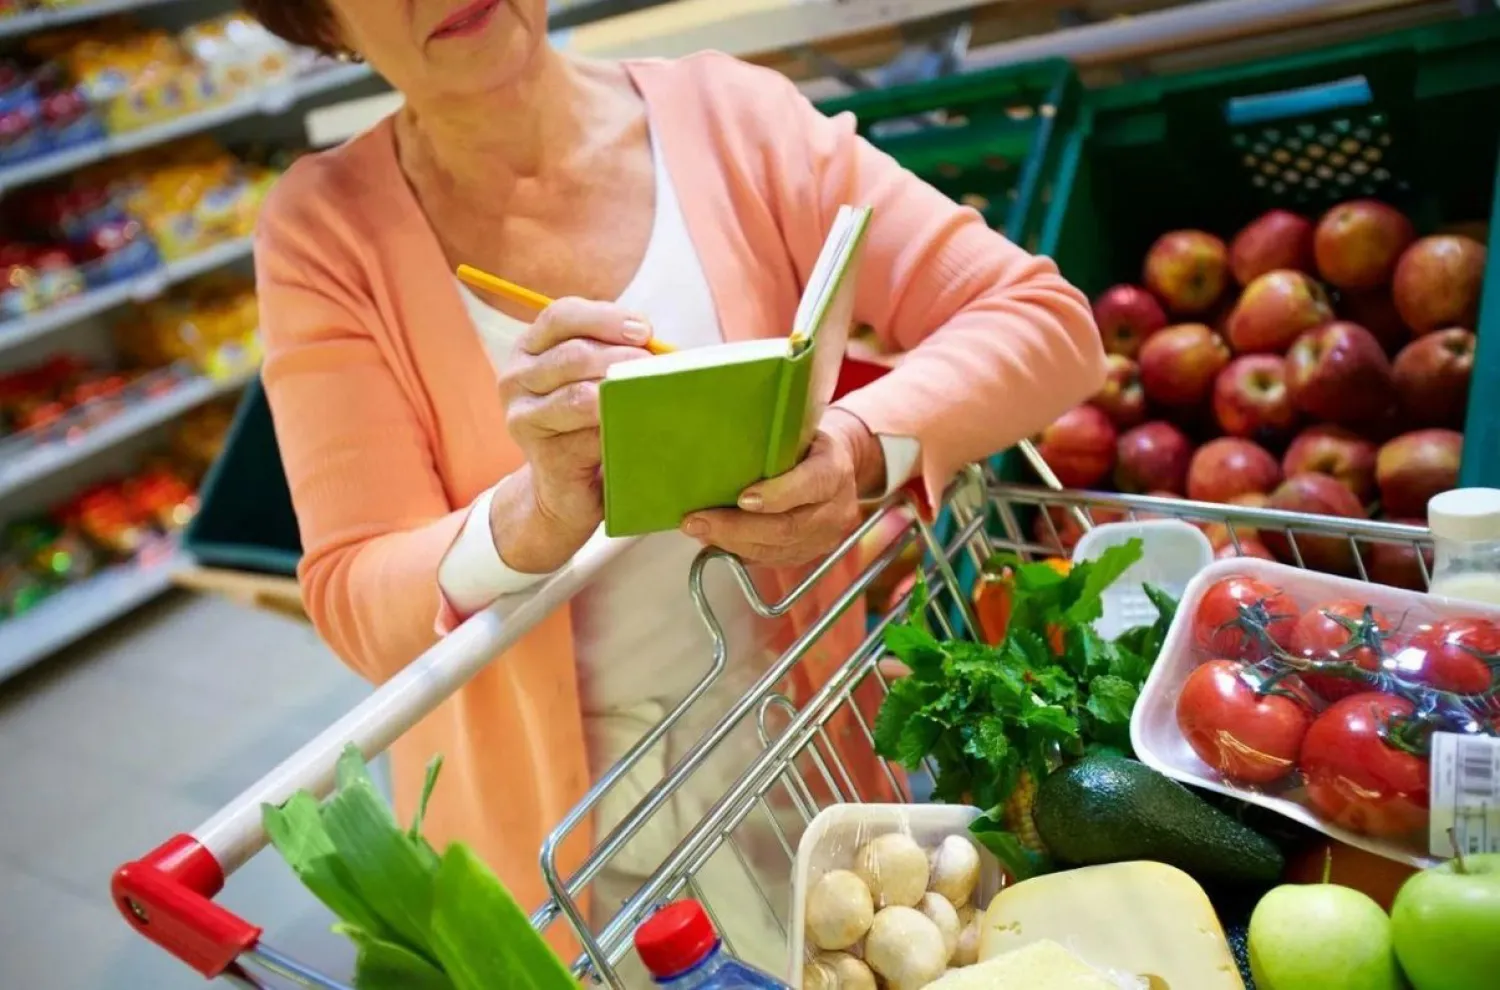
(691, 430)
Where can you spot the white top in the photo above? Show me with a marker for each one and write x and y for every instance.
(637, 636)
(1465, 515)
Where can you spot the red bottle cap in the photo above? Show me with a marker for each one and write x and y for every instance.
(675, 939)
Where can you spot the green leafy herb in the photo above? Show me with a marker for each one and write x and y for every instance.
(1021, 863)
(1052, 691)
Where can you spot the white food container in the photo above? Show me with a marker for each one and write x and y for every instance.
(1153, 725)
(837, 833)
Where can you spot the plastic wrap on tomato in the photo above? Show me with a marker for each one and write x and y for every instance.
(1319, 697)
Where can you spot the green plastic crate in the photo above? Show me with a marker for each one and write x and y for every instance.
(1412, 118)
(245, 520)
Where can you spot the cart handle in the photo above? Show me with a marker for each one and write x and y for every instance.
(167, 894)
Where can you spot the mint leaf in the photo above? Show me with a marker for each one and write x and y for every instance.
(987, 740)
(901, 704)
(1111, 699)
(920, 734)
(1051, 719)
(1098, 575)
(916, 648)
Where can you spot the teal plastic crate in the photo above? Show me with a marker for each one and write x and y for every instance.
(1411, 117)
(245, 520)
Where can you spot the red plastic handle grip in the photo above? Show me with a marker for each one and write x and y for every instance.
(167, 896)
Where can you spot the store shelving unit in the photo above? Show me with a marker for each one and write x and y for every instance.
(58, 459)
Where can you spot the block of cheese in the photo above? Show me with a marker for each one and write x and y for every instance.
(1146, 919)
(1043, 965)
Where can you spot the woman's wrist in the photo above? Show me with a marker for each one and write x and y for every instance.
(864, 448)
(529, 540)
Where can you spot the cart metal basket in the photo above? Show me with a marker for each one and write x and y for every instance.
(167, 895)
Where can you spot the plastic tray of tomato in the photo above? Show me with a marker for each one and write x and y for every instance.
(1317, 696)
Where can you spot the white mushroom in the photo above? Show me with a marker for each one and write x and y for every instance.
(905, 948)
(840, 909)
(848, 972)
(942, 914)
(895, 869)
(818, 975)
(967, 951)
(955, 870)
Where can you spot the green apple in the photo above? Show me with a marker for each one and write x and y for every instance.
(1321, 937)
(1446, 925)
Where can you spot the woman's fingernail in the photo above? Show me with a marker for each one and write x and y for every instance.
(695, 527)
(637, 331)
(751, 501)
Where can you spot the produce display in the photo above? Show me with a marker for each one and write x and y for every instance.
(1320, 697)
(1313, 364)
(113, 522)
(75, 85)
(209, 324)
(123, 218)
(63, 397)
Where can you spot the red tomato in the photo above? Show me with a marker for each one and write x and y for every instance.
(1343, 631)
(1248, 736)
(1359, 780)
(1243, 618)
(1459, 655)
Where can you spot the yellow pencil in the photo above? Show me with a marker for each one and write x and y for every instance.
(523, 296)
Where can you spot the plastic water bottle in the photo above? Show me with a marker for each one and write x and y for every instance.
(682, 951)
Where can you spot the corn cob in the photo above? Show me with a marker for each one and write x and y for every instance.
(1018, 817)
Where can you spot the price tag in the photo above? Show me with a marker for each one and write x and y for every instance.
(1465, 794)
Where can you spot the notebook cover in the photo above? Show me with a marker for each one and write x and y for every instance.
(677, 444)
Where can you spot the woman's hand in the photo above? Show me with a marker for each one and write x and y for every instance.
(803, 514)
(541, 515)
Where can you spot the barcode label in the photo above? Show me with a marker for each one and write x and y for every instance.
(1465, 795)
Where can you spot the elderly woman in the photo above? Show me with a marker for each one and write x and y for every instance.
(443, 449)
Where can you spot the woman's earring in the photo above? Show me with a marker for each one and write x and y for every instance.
(349, 55)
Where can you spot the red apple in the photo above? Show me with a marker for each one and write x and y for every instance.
(1432, 378)
(1153, 457)
(1437, 283)
(1122, 399)
(1251, 399)
(1416, 466)
(1376, 312)
(1358, 243)
(1068, 530)
(1219, 534)
(1127, 315)
(1179, 364)
(1275, 310)
(1279, 239)
(1339, 373)
(1315, 494)
(1079, 447)
(1339, 453)
(1247, 548)
(1396, 564)
(1229, 466)
(1187, 270)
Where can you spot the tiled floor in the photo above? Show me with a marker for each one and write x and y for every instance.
(139, 733)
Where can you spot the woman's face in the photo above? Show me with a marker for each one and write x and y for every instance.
(437, 48)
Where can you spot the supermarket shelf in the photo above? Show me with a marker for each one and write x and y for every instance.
(73, 613)
(139, 289)
(45, 460)
(270, 101)
(44, 20)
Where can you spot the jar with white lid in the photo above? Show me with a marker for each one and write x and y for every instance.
(1465, 524)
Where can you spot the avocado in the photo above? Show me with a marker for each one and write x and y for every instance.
(1112, 810)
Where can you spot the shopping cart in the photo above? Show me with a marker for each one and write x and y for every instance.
(168, 894)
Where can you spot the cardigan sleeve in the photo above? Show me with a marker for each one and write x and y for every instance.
(998, 344)
(374, 518)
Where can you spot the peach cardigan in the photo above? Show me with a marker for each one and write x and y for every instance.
(389, 421)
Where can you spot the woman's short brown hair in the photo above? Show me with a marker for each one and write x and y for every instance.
(302, 22)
